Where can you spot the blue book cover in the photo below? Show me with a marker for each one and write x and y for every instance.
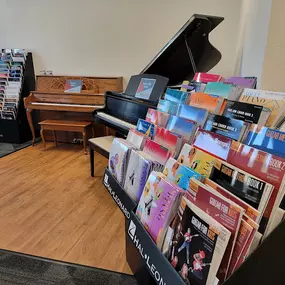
(182, 126)
(230, 128)
(176, 95)
(167, 106)
(146, 128)
(73, 85)
(266, 139)
(193, 113)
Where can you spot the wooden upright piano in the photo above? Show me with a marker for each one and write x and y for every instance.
(53, 103)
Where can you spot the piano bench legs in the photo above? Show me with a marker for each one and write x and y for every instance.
(91, 152)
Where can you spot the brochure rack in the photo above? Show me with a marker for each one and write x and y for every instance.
(18, 131)
(149, 265)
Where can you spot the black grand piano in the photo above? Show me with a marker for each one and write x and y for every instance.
(188, 52)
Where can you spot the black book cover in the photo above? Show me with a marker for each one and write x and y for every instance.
(227, 127)
(243, 111)
(193, 246)
(241, 184)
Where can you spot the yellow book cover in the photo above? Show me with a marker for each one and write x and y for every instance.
(196, 159)
(212, 103)
(268, 99)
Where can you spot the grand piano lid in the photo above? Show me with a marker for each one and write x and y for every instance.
(189, 51)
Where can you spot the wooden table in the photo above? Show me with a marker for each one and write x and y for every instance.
(69, 126)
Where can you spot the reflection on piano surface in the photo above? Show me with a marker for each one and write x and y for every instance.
(187, 52)
(50, 96)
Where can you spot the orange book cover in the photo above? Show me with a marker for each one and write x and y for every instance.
(206, 101)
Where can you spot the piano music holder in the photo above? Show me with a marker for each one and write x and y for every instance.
(17, 131)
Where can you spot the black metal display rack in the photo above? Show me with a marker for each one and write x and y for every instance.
(18, 131)
(149, 265)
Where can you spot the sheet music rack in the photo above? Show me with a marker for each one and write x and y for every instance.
(18, 131)
(264, 266)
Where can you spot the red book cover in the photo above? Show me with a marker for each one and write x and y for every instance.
(207, 77)
(156, 117)
(265, 166)
(214, 144)
(158, 152)
(226, 212)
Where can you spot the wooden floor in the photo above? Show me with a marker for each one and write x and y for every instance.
(51, 207)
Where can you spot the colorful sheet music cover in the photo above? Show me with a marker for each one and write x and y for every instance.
(182, 126)
(158, 205)
(212, 103)
(268, 99)
(227, 91)
(145, 88)
(157, 151)
(247, 187)
(176, 95)
(146, 128)
(214, 144)
(198, 115)
(263, 165)
(73, 85)
(158, 118)
(244, 82)
(168, 139)
(180, 174)
(246, 112)
(207, 77)
(226, 212)
(198, 244)
(196, 159)
(137, 174)
(167, 106)
(136, 138)
(266, 139)
(250, 211)
(230, 128)
(118, 159)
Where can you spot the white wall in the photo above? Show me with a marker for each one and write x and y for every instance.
(109, 37)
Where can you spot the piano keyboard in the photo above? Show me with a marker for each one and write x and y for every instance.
(66, 105)
(115, 120)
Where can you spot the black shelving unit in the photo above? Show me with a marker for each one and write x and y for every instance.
(18, 131)
(263, 267)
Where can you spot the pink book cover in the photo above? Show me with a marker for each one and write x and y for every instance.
(159, 153)
(222, 210)
(168, 139)
(156, 117)
(207, 77)
(242, 239)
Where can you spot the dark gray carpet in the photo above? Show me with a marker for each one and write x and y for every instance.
(8, 148)
(23, 269)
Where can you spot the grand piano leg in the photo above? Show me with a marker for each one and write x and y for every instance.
(30, 120)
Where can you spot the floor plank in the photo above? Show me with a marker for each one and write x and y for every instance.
(51, 207)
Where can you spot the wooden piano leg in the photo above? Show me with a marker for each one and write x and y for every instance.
(84, 140)
(30, 121)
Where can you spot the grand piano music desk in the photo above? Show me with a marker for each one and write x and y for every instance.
(51, 102)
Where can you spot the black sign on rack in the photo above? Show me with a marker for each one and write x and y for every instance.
(158, 266)
(119, 195)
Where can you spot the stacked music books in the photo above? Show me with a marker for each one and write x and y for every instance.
(12, 64)
(207, 169)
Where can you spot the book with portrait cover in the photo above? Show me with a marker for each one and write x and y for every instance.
(73, 85)
(268, 99)
(246, 112)
(247, 187)
(198, 244)
(212, 103)
(266, 139)
(212, 143)
(266, 166)
(225, 211)
(198, 115)
(197, 159)
(230, 128)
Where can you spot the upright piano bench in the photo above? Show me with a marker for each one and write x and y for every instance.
(101, 145)
(61, 125)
